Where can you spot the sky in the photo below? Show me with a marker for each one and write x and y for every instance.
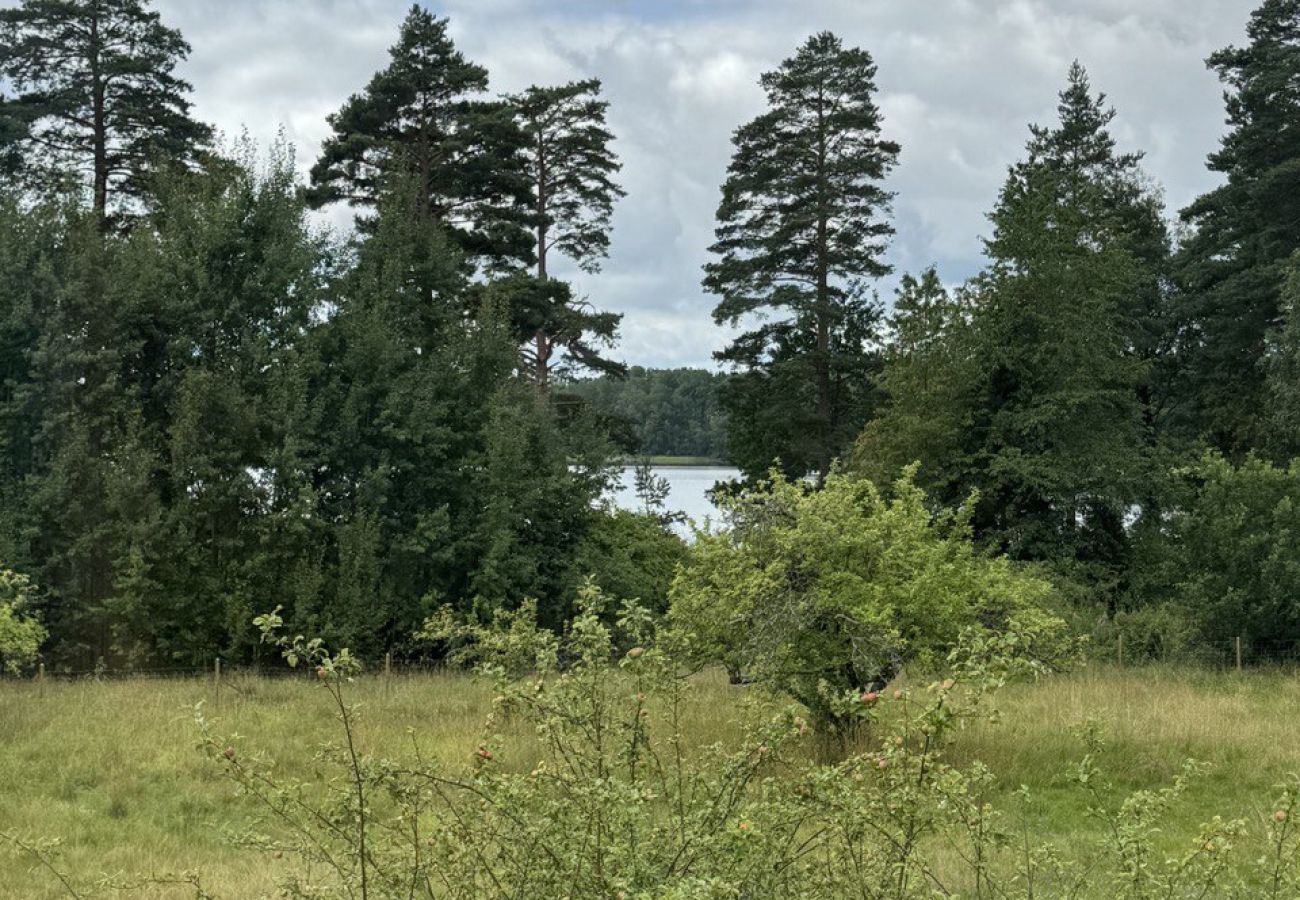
(959, 82)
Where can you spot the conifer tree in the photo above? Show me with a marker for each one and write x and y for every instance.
(1232, 269)
(424, 117)
(1284, 371)
(97, 95)
(927, 378)
(1059, 434)
(13, 130)
(570, 169)
(801, 226)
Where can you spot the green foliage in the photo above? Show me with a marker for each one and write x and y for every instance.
(21, 635)
(223, 405)
(1061, 314)
(1035, 385)
(660, 412)
(826, 592)
(1233, 265)
(538, 483)
(96, 94)
(800, 226)
(1232, 548)
(570, 169)
(615, 800)
(559, 333)
(929, 377)
(423, 118)
(1284, 370)
(632, 555)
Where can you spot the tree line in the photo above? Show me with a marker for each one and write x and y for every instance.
(1113, 395)
(208, 405)
(660, 412)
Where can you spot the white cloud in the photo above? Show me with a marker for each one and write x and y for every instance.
(960, 80)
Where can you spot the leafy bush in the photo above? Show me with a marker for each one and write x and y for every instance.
(632, 555)
(622, 805)
(599, 791)
(819, 593)
(1227, 559)
(20, 634)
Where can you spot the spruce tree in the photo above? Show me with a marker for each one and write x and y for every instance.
(396, 386)
(570, 169)
(97, 95)
(927, 379)
(92, 502)
(1232, 268)
(1284, 371)
(1060, 436)
(801, 226)
(424, 117)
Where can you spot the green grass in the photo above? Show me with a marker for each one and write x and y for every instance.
(112, 768)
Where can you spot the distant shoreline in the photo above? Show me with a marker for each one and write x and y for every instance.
(679, 461)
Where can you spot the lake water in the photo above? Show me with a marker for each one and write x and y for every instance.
(687, 490)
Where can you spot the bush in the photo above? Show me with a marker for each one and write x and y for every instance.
(20, 635)
(622, 805)
(632, 555)
(1228, 558)
(822, 592)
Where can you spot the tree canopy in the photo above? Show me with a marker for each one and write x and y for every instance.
(802, 223)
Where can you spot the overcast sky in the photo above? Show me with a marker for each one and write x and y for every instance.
(959, 82)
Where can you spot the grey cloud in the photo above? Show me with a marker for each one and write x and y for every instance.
(960, 80)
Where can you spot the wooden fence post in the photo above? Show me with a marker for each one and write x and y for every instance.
(216, 681)
(1238, 654)
(1119, 652)
(388, 672)
(40, 679)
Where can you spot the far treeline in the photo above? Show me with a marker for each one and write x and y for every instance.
(209, 408)
(661, 412)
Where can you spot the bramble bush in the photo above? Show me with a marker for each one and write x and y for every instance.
(621, 804)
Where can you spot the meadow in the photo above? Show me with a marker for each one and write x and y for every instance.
(111, 768)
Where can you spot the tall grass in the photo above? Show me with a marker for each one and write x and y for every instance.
(111, 768)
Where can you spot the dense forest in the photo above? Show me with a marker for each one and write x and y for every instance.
(662, 412)
(210, 407)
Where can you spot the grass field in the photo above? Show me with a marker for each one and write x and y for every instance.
(112, 768)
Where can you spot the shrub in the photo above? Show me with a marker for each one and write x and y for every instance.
(632, 555)
(21, 635)
(621, 804)
(822, 592)
(1228, 555)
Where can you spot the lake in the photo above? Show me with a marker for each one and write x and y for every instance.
(687, 486)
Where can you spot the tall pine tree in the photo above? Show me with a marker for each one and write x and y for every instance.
(571, 170)
(802, 224)
(1232, 269)
(98, 96)
(424, 117)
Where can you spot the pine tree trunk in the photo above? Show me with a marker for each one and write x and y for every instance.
(542, 346)
(825, 407)
(99, 122)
